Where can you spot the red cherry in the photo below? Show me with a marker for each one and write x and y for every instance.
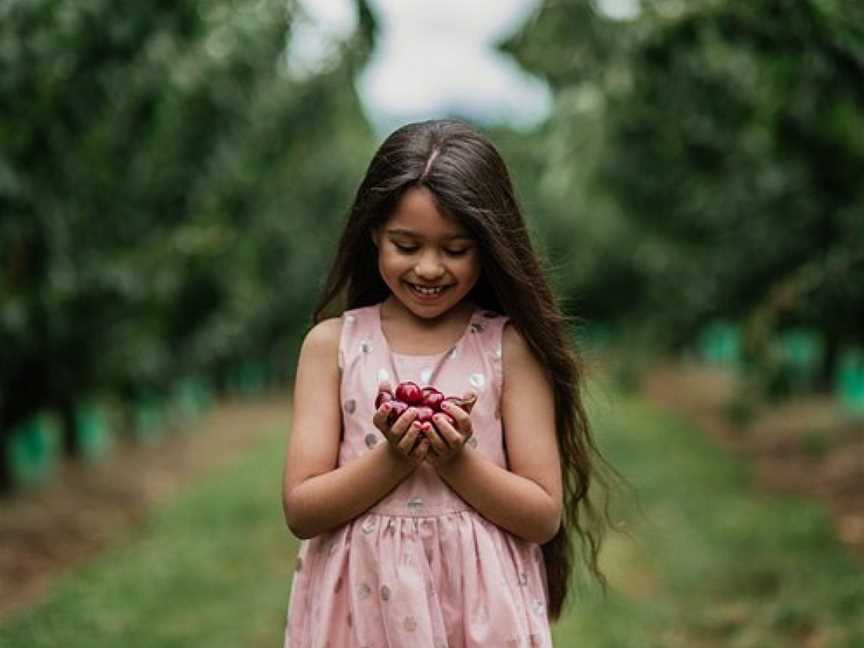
(409, 392)
(424, 414)
(434, 399)
(383, 397)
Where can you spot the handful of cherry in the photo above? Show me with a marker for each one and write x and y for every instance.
(427, 400)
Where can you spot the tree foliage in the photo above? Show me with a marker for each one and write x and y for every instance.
(164, 186)
(706, 160)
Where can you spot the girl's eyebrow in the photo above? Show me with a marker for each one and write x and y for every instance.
(407, 232)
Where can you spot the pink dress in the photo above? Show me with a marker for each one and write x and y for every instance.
(421, 568)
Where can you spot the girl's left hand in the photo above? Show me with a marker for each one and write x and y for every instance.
(446, 440)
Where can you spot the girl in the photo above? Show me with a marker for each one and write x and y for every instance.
(436, 534)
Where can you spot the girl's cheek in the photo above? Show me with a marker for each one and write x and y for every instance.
(471, 265)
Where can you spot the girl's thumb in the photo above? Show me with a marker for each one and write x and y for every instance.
(469, 398)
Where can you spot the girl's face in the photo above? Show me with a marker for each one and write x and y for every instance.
(428, 260)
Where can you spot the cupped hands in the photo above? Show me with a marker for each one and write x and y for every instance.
(428, 427)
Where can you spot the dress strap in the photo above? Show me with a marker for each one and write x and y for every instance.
(357, 333)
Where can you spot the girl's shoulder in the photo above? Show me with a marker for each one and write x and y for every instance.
(515, 348)
(323, 337)
(329, 331)
(328, 339)
(510, 335)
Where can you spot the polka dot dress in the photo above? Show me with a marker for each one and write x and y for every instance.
(421, 568)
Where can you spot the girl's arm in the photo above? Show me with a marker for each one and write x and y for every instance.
(526, 499)
(316, 495)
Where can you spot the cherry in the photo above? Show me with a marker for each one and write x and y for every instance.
(433, 399)
(428, 401)
(425, 414)
(409, 392)
(383, 397)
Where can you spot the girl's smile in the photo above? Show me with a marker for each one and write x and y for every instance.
(427, 259)
(427, 293)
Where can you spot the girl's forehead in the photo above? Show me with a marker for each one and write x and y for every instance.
(417, 213)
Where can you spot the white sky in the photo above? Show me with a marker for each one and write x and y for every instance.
(434, 57)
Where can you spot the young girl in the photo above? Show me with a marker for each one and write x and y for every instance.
(435, 534)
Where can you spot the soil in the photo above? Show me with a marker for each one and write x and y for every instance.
(805, 446)
(86, 507)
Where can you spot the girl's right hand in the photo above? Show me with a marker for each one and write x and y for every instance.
(402, 435)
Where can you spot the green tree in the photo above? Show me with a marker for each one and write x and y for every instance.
(166, 191)
(706, 158)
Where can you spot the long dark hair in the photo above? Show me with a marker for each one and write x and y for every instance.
(469, 180)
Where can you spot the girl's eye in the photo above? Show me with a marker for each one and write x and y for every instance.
(411, 249)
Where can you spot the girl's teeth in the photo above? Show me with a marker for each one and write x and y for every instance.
(428, 291)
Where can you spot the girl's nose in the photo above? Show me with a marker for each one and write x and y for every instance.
(429, 267)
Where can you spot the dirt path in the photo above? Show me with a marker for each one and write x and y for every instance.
(45, 532)
(804, 446)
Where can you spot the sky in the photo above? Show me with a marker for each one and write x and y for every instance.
(434, 58)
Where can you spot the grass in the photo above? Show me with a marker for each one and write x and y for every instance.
(211, 569)
(711, 562)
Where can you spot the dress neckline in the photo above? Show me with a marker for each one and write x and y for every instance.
(424, 356)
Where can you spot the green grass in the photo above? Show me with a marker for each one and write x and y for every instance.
(211, 569)
(712, 562)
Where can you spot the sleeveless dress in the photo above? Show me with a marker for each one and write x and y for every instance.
(421, 568)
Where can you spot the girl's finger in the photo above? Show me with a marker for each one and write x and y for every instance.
(436, 442)
(379, 420)
(393, 431)
(421, 451)
(463, 421)
(451, 435)
(403, 422)
(406, 443)
(469, 399)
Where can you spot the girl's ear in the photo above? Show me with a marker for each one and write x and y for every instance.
(376, 236)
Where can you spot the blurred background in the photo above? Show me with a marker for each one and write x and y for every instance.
(173, 179)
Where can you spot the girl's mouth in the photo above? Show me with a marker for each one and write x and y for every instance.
(426, 293)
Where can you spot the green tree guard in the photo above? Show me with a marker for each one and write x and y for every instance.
(148, 419)
(720, 344)
(850, 381)
(801, 352)
(93, 435)
(34, 450)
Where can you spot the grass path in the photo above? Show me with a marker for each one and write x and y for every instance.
(712, 564)
(210, 569)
